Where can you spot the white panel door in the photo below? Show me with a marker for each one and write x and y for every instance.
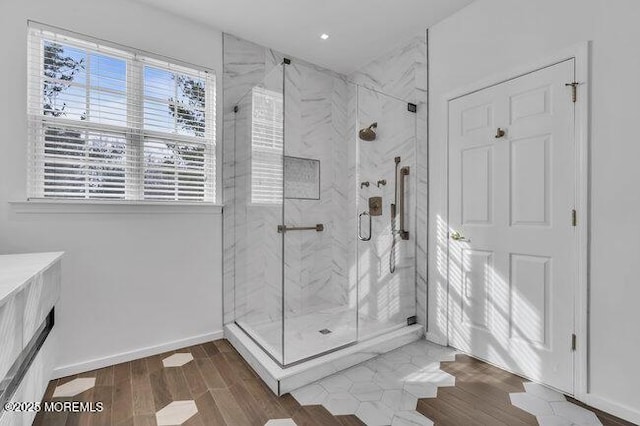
(512, 243)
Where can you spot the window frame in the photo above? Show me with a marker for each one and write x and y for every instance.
(133, 131)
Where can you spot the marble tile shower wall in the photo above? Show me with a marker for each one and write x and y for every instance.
(316, 266)
(321, 124)
(245, 65)
(257, 245)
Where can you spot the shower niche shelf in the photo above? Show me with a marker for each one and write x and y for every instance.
(301, 178)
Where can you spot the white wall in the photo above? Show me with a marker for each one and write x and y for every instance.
(492, 36)
(134, 278)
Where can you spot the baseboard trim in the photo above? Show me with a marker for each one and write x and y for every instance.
(624, 412)
(81, 367)
(436, 338)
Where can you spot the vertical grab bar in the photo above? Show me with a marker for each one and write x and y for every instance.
(394, 205)
(392, 251)
(404, 172)
(360, 236)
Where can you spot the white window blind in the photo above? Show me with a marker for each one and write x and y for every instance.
(267, 145)
(111, 123)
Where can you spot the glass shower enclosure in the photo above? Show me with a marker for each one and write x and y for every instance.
(318, 267)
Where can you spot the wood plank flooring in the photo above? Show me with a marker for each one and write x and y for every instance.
(481, 397)
(226, 391)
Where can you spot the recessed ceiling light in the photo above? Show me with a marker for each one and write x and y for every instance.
(324, 36)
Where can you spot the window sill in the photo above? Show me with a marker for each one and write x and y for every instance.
(57, 206)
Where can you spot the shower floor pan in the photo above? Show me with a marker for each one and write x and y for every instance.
(315, 333)
(284, 380)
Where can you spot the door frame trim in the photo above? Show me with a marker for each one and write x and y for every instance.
(580, 53)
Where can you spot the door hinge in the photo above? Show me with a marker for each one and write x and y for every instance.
(573, 342)
(574, 90)
(574, 217)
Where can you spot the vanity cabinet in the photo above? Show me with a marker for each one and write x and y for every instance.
(30, 286)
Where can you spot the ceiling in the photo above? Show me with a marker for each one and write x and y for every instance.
(359, 30)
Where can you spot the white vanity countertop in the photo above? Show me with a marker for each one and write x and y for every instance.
(17, 269)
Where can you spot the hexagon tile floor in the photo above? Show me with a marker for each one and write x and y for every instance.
(210, 384)
(426, 384)
(384, 390)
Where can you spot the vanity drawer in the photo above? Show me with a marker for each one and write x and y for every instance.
(40, 295)
(11, 326)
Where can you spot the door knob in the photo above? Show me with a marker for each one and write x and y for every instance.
(500, 133)
(456, 236)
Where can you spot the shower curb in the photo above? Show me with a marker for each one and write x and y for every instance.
(284, 380)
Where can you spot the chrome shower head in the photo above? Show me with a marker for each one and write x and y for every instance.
(368, 134)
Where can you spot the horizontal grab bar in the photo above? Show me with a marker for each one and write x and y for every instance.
(318, 228)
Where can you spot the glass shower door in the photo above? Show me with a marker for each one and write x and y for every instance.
(386, 247)
(308, 279)
(259, 154)
(320, 312)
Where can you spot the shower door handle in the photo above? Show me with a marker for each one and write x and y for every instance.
(360, 236)
(404, 172)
